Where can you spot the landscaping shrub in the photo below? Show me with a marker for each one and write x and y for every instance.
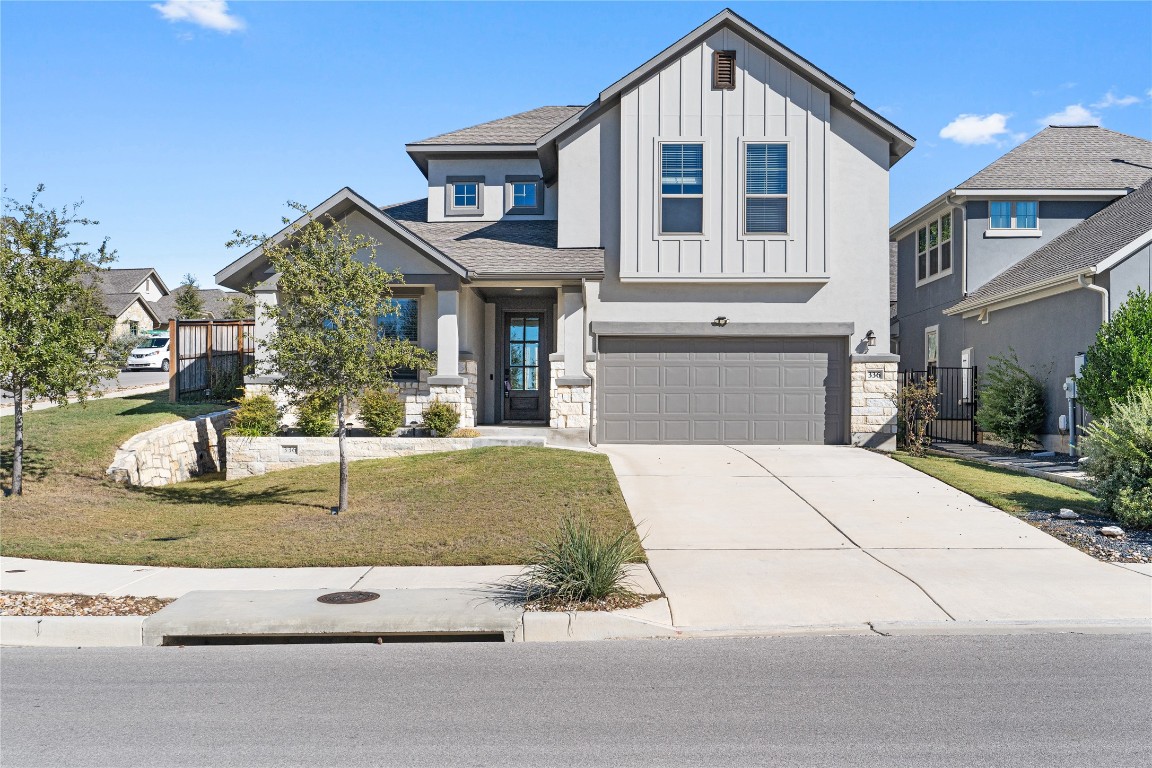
(465, 432)
(581, 564)
(441, 418)
(316, 416)
(382, 411)
(1119, 452)
(225, 382)
(916, 410)
(1120, 359)
(255, 416)
(121, 346)
(1012, 403)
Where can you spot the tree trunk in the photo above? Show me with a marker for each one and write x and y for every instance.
(342, 432)
(18, 443)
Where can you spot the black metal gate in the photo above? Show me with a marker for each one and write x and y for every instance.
(956, 402)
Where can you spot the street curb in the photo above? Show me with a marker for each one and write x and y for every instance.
(72, 631)
(651, 620)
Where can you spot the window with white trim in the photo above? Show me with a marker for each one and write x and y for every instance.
(464, 196)
(1013, 214)
(681, 189)
(765, 189)
(931, 349)
(934, 249)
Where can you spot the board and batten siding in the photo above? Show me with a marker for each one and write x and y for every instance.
(769, 103)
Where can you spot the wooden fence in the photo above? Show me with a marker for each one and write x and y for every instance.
(209, 357)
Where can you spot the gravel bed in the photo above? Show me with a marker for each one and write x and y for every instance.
(37, 604)
(616, 603)
(1134, 546)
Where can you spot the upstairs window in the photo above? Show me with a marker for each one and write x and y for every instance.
(464, 196)
(523, 195)
(724, 70)
(934, 249)
(1013, 214)
(681, 189)
(402, 324)
(765, 189)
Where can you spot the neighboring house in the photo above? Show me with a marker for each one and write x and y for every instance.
(128, 297)
(700, 255)
(1031, 254)
(217, 304)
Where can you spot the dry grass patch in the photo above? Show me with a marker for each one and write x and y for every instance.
(481, 507)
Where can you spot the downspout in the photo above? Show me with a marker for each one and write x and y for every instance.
(584, 363)
(963, 229)
(1086, 282)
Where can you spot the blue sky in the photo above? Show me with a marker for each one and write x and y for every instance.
(179, 122)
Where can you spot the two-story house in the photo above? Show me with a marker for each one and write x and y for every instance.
(699, 255)
(1030, 255)
(130, 297)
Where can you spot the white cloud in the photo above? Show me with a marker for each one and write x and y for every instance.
(210, 14)
(1073, 114)
(976, 129)
(1110, 99)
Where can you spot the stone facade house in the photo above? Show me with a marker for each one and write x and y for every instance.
(698, 255)
(1030, 256)
(129, 296)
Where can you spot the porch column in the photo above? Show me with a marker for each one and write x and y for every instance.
(447, 340)
(264, 296)
(572, 306)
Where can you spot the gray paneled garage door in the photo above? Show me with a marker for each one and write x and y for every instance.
(707, 390)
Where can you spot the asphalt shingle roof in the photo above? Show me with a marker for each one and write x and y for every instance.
(115, 281)
(504, 247)
(216, 303)
(115, 303)
(1071, 157)
(1083, 246)
(522, 128)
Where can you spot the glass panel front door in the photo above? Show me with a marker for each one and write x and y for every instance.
(522, 368)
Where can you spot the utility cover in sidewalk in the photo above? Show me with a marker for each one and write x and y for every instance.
(347, 598)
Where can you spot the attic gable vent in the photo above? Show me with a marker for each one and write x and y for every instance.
(724, 70)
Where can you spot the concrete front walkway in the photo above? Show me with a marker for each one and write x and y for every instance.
(761, 537)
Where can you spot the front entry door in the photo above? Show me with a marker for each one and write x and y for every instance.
(524, 398)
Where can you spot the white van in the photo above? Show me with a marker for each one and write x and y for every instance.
(151, 354)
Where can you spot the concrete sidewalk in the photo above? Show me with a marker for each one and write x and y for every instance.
(750, 538)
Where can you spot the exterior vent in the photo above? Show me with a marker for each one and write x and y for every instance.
(724, 71)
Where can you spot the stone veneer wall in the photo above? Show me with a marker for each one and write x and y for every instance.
(172, 453)
(249, 456)
(874, 393)
(568, 407)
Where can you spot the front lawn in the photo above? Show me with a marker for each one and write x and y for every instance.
(1012, 492)
(478, 507)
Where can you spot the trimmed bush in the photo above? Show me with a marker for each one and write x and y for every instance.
(441, 418)
(255, 416)
(1119, 452)
(465, 432)
(1120, 359)
(917, 409)
(382, 412)
(581, 564)
(316, 416)
(1012, 403)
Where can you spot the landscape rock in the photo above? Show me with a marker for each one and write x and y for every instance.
(1112, 531)
(1067, 514)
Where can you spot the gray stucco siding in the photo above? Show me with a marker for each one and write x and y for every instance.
(989, 256)
(1134, 272)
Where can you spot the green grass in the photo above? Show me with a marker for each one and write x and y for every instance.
(484, 506)
(1012, 492)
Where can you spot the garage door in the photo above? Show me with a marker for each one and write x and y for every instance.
(705, 390)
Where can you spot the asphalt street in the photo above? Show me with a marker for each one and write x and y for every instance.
(1031, 700)
(124, 380)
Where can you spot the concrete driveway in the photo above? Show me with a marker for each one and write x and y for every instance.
(754, 537)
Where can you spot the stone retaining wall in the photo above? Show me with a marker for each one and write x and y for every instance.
(249, 456)
(172, 453)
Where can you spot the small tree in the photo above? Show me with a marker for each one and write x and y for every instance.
(1011, 402)
(54, 329)
(327, 340)
(239, 306)
(189, 304)
(916, 409)
(1120, 360)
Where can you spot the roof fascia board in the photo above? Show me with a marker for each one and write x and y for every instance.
(1018, 295)
(1122, 254)
(520, 278)
(479, 149)
(910, 222)
(347, 194)
(1042, 192)
(159, 281)
(151, 312)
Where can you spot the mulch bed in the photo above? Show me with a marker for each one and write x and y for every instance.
(36, 604)
(615, 603)
(1135, 546)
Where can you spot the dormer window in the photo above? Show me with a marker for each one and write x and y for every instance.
(464, 196)
(523, 195)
